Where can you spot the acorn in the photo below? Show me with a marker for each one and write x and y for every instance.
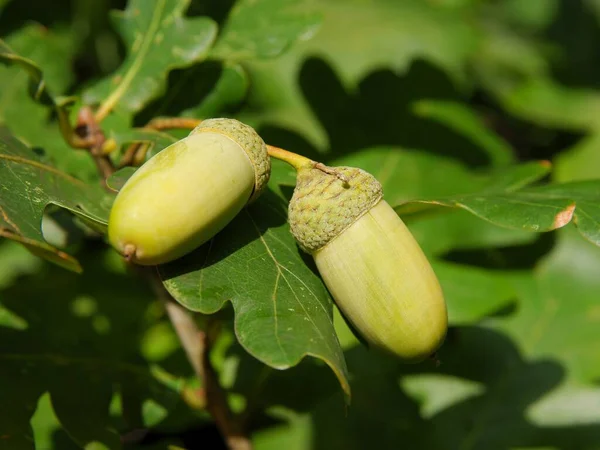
(185, 194)
(370, 262)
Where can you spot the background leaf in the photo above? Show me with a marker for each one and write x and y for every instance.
(29, 185)
(443, 100)
(567, 275)
(546, 102)
(265, 28)
(37, 85)
(159, 38)
(27, 101)
(542, 208)
(426, 33)
(86, 362)
(118, 179)
(209, 89)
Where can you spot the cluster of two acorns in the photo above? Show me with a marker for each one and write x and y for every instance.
(373, 267)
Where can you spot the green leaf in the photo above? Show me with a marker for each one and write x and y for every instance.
(27, 116)
(428, 32)
(558, 311)
(557, 314)
(439, 231)
(493, 411)
(538, 209)
(406, 174)
(548, 103)
(586, 195)
(536, 14)
(37, 87)
(45, 425)
(209, 89)
(571, 404)
(118, 179)
(283, 311)
(301, 387)
(28, 185)
(158, 38)
(295, 433)
(15, 261)
(265, 28)
(507, 58)
(484, 395)
(580, 162)
(517, 176)
(283, 178)
(472, 293)
(82, 346)
(512, 210)
(280, 87)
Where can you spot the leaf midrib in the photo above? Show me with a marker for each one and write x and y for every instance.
(280, 273)
(138, 60)
(21, 160)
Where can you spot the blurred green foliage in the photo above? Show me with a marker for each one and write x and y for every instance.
(441, 100)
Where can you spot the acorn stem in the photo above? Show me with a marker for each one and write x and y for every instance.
(136, 152)
(293, 159)
(172, 123)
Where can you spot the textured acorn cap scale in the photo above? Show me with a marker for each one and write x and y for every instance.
(188, 192)
(370, 262)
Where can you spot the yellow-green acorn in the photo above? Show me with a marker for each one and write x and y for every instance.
(370, 262)
(184, 195)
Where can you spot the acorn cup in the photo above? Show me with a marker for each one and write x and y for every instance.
(187, 193)
(370, 262)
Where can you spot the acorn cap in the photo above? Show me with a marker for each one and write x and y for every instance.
(249, 140)
(327, 200)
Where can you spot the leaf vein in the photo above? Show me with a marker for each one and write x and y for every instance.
(279, 268)
(41, 166)
(275, 319)
(137, 62)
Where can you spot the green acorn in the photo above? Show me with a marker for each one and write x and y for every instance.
(184, 195)
(370, 262)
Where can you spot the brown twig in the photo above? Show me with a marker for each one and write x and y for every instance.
(196, 344)
(131, 155)
(89, 135)
(135, 153)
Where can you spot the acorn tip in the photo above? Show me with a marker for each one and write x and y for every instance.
(129, 252)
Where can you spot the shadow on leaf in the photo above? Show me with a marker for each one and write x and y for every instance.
(82, 344)
(479, 397)
(378, 113)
